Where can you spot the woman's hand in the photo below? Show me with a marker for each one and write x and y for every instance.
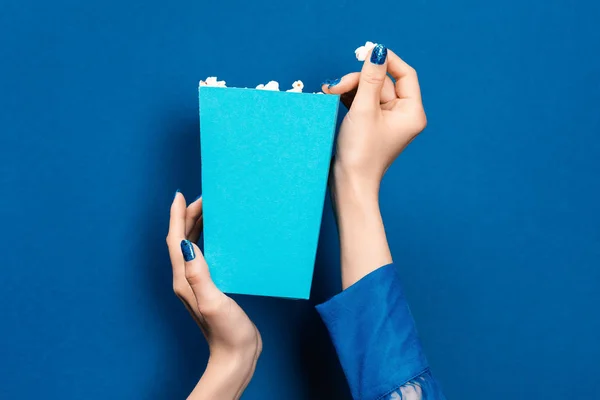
(234, 341)
(383, 118)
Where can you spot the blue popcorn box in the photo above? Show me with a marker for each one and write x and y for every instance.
(265, 163)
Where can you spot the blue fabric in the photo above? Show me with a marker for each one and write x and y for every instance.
(374, 334)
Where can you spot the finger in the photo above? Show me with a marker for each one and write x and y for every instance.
(341, 85)
(388, 92)
(176, 234)
(198, 277)
(196, 231)
(177, 220)
(372, 78)
(347, 85)
(349, 82)
(192, 215)
(407, 82)
(183, 290)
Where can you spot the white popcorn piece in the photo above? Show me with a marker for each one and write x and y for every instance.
(297, 87)
(272, 85)
(212, 81)
(362, 51)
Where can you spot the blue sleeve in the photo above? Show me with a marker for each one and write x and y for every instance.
(376, 340)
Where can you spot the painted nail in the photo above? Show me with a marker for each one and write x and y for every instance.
(175, 195)
(379, 54)
(334, 82)
(198, 198)
(330, 82)
(188, 250)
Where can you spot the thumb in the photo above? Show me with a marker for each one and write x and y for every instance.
(198, 276)
(372, 78)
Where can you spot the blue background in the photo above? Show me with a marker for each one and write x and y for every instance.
(492, 214)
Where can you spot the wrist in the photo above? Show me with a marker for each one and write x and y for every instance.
(363, 242)
(353, 190)
(225, 377)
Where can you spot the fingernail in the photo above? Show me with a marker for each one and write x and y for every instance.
(330, 82)
(198, 198)
(188, 250)
(175, 195)
(334, 82)
(379, 54)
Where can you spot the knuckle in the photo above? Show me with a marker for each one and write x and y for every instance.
(193, 276)
(361, 109)
(211, 307)
(179, 288)
(373, 78)
(171, 241)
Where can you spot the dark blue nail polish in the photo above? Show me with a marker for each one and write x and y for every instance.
(175, 195)
(329, 83)
(188, 250)
(334, 82)
(379, 54)
(198, 198)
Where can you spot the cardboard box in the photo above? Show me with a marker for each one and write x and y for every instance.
(265, 164)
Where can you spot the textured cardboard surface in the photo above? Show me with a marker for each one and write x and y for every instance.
(265, 162)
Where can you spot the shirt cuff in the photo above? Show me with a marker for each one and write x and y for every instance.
(374, 334)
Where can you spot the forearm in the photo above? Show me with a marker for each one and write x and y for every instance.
(363, 242)
(370, 322)
(222, 379)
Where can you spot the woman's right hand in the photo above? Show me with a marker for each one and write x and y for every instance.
(383, 118)
(233, 339)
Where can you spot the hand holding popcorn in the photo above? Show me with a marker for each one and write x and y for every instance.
(383, 118)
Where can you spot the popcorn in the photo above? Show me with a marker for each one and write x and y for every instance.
(361, 54)
(272, 85)
(297, 87)
(362, 51)
(212, 81)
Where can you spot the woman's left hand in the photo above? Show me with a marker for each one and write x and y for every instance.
(233, 339)
(383, 118)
